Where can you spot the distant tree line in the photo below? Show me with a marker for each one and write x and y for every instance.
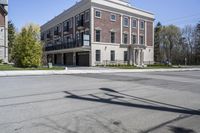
(177, 45)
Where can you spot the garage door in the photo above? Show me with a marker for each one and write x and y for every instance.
(82, 59)
(68, 59)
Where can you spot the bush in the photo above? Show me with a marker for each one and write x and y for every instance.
(1, 61)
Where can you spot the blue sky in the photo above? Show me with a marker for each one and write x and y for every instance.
(178, 12)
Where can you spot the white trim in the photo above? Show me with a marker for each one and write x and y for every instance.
(145, 25)
(121, 28)
(138, 23)
(130, 30)
(92, 24)
(97, 28)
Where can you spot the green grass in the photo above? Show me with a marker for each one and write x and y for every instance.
(5, 67)
(156, 66)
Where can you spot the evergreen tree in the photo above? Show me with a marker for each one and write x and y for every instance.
(157, 42)
(11, 38)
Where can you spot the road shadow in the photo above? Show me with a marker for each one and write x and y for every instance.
(118, 98)
(180, 130)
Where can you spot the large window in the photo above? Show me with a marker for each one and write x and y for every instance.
(98, 35)
(98, 55)
(134, 39)
(125, 56)
(112, 34)
(112, 55)
(125, 38)
(126, 23)
(142, 23)
(134, 23)
(98, 14)
(142, 40)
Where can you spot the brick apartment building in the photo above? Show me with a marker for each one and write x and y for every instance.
(99, 32)
(3, 30)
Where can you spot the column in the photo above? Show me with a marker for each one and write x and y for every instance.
(139, 57)
(121, 35)
(62, 59)
(138, 34)
(134, 62)
(74, 58)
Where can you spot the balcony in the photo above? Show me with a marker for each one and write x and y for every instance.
(66, 30)
(80, 25)
(57, 33)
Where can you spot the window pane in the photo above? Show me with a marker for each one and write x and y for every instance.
(125, 56)
(112, 37)
(113, 17)
(125, 38)
(98, 55)
(112, 55)
(98, 14)
(141, 39)
(133, 39)
(126, 22)
(134, 23)
(98, 35)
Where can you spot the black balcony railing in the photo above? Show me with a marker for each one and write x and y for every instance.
(65, 45)
(80, 24)
(66, 29)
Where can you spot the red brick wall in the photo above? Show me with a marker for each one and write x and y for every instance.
(106, 25)
(2, 18)
(149, 33)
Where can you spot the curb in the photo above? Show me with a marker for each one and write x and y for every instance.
(69, 72)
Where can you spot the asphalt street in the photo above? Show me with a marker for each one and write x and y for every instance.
(152, 102)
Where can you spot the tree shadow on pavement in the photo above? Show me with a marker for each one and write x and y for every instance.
(117, 98)
(180, 130)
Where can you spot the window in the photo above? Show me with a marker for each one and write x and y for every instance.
(125, 38)
(126, 21)
(113, 17)
(70, 23)
(98, 55)
(125, 56)
(134, 23)
(112, 37)
(134, 39)
(112, 55)
(142, 25)
(98, 14)
(98, 35)
(77, 19)
(141, 39)
(87, 16)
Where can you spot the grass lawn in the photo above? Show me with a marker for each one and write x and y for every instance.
(5, 67)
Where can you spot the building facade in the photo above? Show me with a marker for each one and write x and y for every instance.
(100, 32)
(4, 30)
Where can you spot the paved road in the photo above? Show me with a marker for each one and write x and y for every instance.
(159, 102)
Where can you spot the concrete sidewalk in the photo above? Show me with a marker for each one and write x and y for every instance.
(81, 71)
